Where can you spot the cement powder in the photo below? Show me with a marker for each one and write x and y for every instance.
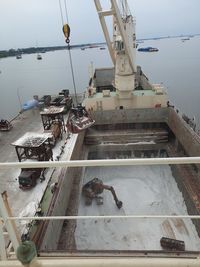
(144, 190)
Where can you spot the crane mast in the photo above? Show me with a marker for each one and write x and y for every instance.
(122, 48)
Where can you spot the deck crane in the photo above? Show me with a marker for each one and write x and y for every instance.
(123, 48)
(125, 86)
(122, 51)
(78, 118)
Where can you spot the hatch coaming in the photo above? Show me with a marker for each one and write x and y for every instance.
(124, 134)
(113, 141)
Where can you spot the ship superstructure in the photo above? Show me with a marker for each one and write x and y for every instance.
(126, 86)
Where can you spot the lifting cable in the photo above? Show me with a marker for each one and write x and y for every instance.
(66, 31)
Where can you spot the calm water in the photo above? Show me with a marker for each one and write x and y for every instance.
(176, 65)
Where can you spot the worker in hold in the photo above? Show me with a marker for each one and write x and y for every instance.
(94, 188)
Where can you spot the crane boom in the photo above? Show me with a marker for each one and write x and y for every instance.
(122, 48)
(102, 15)
(124, 35)
(114, 11)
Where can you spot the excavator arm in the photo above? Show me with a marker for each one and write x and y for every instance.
(111, 189)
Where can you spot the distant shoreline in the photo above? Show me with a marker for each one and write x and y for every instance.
(33, 50)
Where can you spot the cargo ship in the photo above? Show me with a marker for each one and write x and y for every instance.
(127, 188)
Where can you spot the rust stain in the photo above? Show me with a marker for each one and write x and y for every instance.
(168, 231)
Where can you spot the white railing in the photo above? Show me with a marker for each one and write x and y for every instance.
(107, 162)
(107, 262)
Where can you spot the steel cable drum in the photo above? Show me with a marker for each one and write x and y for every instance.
(66, 31)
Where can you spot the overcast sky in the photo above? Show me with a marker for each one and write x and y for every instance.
(25, 23)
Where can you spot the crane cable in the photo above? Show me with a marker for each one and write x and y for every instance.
(66, 31)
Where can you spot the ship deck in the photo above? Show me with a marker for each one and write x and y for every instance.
(25, 202)
(144, 190)
(28, 121)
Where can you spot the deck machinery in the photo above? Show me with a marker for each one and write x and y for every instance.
(53, 121)
(32, 147)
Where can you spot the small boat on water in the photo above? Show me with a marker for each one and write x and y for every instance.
(39, 57)
(18, 56)
(185, 39)
(148, 49)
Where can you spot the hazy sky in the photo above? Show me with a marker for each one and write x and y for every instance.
(25, 23)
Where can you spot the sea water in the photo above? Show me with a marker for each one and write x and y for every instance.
(176, 65)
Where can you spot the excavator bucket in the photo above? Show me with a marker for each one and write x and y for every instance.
(77, 122)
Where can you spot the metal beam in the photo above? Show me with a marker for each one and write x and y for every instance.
(104, 27)
(9, 225)
(123, 34)
(106, 13)
(3, 255)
